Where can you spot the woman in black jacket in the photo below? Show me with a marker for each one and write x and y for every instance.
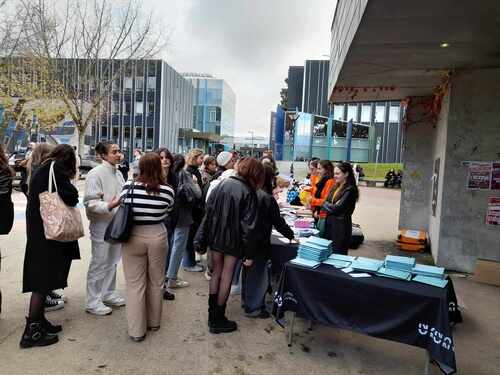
(6, 206)
(229, 229)
(256, 278)
(339, 207)
(47, 262)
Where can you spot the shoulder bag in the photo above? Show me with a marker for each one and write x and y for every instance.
(60, 222)
(120, 226)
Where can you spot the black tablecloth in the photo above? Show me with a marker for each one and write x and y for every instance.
(408, 312)
(281, 253)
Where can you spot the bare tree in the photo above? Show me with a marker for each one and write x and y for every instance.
(88, 45)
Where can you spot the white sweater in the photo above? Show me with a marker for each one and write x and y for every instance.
(102, 184)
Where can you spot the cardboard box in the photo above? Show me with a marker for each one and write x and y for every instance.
(416, 237)
(487, 272)
(410, 246)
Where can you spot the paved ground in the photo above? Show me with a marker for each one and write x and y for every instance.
(184, 346)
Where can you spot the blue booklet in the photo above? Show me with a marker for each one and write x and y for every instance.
(305, 263)
(346, 258)
(319, 241)
(434, 281)
(337, 263)
(371, 266)
(431, 271)
(394, 274)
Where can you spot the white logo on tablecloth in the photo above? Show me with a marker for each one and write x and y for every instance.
(452, 307)
(287, 297)
(437, 337)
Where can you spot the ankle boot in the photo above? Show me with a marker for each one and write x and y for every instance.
(222, 324)
(212, 309)
(35, 335)
(49, 327)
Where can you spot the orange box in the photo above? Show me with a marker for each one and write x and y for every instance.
(416, 237)
(410, 246)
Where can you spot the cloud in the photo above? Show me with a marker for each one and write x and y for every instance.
(249, 43)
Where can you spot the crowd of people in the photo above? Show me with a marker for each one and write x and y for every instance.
(224, 206)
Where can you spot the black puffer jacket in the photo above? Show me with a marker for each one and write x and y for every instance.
(6, 206)
(268, 217)
(230, 222)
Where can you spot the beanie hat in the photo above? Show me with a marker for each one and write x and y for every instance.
(223, 158)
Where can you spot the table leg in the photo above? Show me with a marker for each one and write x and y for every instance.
(427, 363)
(310, 328)
(290, 329)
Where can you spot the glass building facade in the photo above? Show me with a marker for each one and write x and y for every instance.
(214, 105)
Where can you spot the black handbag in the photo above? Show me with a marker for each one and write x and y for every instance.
(120, 226)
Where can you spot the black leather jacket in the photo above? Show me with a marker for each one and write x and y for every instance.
(230, 222)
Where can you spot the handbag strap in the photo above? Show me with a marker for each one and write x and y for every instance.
(52, 177)
(130, 192)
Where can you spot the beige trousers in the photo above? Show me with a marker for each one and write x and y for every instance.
(144, 267)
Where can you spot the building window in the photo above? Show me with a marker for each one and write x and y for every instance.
(151, 108)
(127, 83)
(116, 85)
(394, 114)
(380, 113)
(139, 83)
(366, 111)
(352, 113)
(338, 112)
(115, 107)
(115, 133)
(127, 108)
(138, 133)
(151, 83)
(139, 108)
(104, 133)
(212, 116)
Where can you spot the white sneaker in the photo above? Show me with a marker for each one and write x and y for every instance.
(100, 310)
(176, 284)
(235, 290)
(196, 268)
(115, 301)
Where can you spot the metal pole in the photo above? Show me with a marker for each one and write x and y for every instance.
(349, 140)
(290, 329)
(427, 363)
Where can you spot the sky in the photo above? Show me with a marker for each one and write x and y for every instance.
(248, 43)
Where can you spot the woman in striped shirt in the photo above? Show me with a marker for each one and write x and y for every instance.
(145, 253)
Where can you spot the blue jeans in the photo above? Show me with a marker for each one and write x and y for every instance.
(255, 284)
(189, 259)
(179, 242)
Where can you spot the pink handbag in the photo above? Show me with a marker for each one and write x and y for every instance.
(60, 222)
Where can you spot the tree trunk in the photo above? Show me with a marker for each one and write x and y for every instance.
(81, 142)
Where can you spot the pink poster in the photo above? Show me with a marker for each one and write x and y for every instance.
(479, 176)
(493, 214)
(495, 176)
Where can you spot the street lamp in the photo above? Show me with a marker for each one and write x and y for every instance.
(251, 132)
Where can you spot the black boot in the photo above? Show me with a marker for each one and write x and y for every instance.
(223, 324)
(35, 335)
(212, 309)
(49, 327)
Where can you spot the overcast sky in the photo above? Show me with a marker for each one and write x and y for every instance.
(249, 43)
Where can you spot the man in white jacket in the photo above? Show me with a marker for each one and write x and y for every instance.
(102, 190)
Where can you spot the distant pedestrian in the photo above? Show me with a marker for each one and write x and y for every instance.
(46, 262)
(225, 160)
(208, 170)
(103, 187)
(124, 166)
(135, 162)
(144, 254)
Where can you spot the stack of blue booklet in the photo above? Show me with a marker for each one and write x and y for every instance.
(366, 264)
(430, 271)
(312, 252)
(339, 260)
(394, 274)
(429, 280)
(399, 263)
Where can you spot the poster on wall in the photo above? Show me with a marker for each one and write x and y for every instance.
(493, 213)
(479, 177)
(495, 176)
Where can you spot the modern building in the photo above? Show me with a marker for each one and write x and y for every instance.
(441, 58)
(272, 130)
(214, 104)
(295, 83)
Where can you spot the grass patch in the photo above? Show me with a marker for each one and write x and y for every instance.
(378, 171)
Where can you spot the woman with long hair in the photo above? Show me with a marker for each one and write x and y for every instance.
(339, 207)
(256, 278)
(47, 262)
(6, 206)
(167, 163)
(322, 187)
(40, 153)
(229, 230)
(145, 252)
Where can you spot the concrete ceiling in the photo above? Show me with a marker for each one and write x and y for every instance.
(397, 46)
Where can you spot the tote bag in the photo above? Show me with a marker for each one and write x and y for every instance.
(60, 222)
(120, 226)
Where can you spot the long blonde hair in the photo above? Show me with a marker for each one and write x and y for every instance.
(193, 155)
